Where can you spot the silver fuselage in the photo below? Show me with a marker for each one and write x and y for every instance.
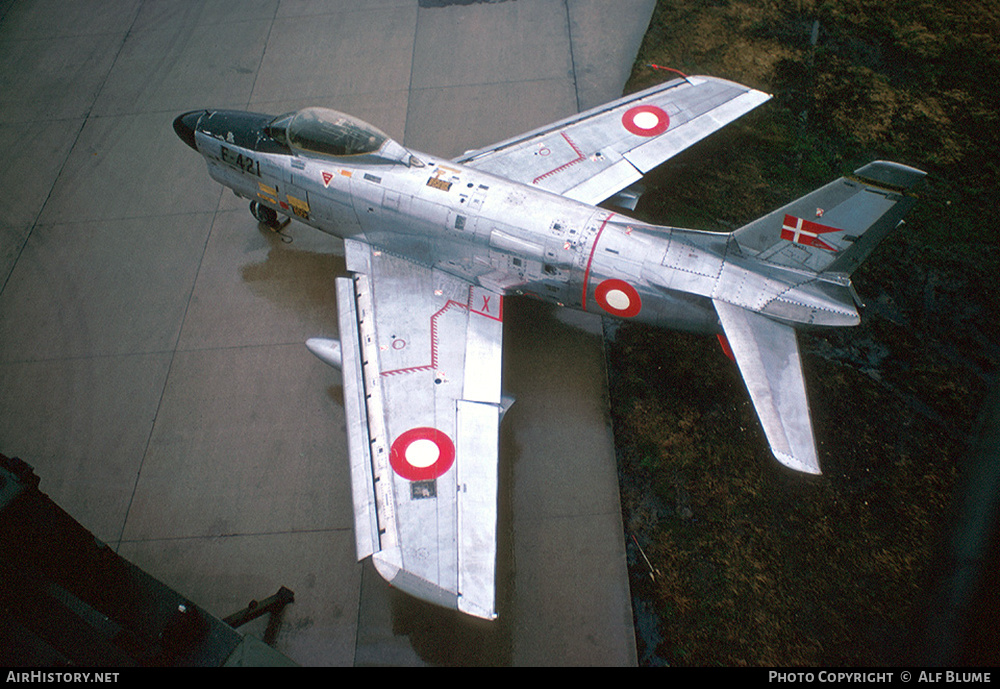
(434, 245)
(517, 239)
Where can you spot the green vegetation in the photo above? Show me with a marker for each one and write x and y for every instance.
(755, 565)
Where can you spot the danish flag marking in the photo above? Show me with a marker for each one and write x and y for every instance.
(806, 232)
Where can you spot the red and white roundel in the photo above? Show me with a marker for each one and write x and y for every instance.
(618, 298)
(646, 120)
(422, 454)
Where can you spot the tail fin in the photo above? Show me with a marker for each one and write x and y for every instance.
(832, 230)
(836, 227)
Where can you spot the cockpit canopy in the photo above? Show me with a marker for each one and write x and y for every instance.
(326, 132)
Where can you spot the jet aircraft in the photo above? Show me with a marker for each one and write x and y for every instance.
(435, 245)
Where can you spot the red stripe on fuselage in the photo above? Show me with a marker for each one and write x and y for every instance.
(593, 248)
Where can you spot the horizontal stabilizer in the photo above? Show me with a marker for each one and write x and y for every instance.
(767, 353)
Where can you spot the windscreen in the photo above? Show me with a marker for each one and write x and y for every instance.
(332, 133)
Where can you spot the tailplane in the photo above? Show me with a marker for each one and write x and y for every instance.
(836, 227)
(767, 353)
(828, 232)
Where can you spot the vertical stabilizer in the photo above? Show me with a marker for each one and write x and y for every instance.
(837, 226)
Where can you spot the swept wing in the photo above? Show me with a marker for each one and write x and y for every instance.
(421, 363)
(594, 155)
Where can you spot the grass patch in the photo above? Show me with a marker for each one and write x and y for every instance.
(756, 565)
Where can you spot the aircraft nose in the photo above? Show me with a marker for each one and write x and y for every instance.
(185, 125)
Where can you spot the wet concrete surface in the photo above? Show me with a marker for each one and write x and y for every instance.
(152, 366)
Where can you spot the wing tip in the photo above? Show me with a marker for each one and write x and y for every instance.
(476, 610)
(427, 591)
(410, 583)
(808, 466)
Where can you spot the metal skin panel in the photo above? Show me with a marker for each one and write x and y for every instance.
(594, 155)
(379, 451)
(712, 114)
(816, 302)
(615, 177)
(328, 194)
(483, 347)
(432, 365)
(844, 206)
(434, 246)
(767, 353)
(739, 284)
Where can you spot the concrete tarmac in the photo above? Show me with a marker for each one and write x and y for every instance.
(152, 366)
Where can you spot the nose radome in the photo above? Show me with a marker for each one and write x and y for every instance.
(185, 126)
